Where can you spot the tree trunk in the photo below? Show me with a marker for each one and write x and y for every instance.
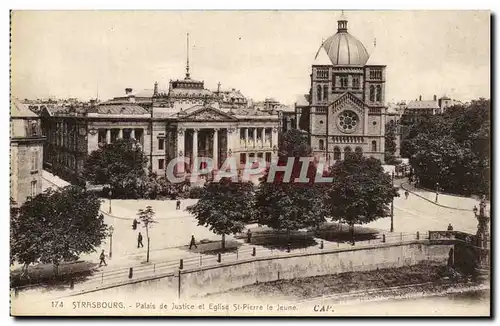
(56, 269)
(223, 241)
(147, 252)
(24, 271)
(351, 228)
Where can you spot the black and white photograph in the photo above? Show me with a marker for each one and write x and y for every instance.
(250, 163)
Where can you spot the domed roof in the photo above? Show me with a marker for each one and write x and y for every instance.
(344, 49)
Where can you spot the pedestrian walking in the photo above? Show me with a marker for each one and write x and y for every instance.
(249, 236)
(178, 205)
(139, 240)
(450, 227)
(192, 243)
(102, 259)
(134, 224)
(407, 194)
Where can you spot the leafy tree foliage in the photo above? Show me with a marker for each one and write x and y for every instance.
(288, 203)
(453, 149)
(294, 143)
(225, 207)
(390, 142)
(121, 164)
(360, 192)
(56, 226)
(147, 218)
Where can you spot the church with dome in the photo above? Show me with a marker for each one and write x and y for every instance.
(345, 109)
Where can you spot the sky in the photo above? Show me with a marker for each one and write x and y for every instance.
(262, 53)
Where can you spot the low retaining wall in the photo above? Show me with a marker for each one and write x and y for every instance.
(226, 276)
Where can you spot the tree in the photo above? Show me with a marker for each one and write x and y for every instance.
(390, 142)
(121, 164)
(360, 192)
(147, 218)
(294, 143)
(55, 226)
(453, 149)
(225, 207)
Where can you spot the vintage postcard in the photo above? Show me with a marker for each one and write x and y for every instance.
(250, 163)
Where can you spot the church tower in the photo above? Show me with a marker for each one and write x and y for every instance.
(346, 99)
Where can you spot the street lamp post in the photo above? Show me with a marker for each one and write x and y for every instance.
(111, 230)
(110, 193)
(392, 205)
(437, 191)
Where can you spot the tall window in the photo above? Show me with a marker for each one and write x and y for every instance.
(355, 82)
(33, 188)
(325, 92)
(321, 144)
(161, 144)
(344, 82)
(161, 164)
(336, 154)
(34, 161)
(374, 146)
(268, 157)
(319, 92)
(379, 93)
(372, 93)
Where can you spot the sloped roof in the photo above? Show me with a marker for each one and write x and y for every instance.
(431, 104)
(20, 110)
(121, 109)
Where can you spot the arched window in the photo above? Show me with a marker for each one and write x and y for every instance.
(325, 92)
(359, 150)
(372, 93)
(347, 150)
(374, 146)
(336, 154)
(321, 144)
(319, 92)
(379, 93)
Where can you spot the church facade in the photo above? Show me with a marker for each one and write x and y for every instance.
(344, 110)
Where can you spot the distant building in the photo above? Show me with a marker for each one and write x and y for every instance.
(186, 120)
(26, 152)
(417, 110)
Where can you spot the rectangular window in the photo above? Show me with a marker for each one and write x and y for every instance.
(343, 82)
(161, 144)
(34, 161)
(355, 82)
(33, 188)
(161, 164)
(376, 74)
(268, 157)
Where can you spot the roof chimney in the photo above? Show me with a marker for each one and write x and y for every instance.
(420, 98)
(435, 97)
(155, 90)
(128, 90)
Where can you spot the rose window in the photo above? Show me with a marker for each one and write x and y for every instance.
(347, 121)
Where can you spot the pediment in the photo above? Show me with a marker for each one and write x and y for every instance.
(347, 101)
(207, 114)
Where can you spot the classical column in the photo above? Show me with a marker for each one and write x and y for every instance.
(274, 137)
(195, 148)
(216, 149)
(120, 133)
(263, 137)
(132, 133)
(254, 137)
(180, 149)
(246, 137)
(108, 136)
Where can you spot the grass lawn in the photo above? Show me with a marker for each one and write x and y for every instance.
(213, 247)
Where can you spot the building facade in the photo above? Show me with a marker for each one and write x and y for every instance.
(344, 110)
(26, 153)
(186, 120)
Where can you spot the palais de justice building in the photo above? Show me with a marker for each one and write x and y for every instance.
(344, 110)
(186, 120)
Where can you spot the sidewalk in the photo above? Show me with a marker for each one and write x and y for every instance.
(444, 200)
